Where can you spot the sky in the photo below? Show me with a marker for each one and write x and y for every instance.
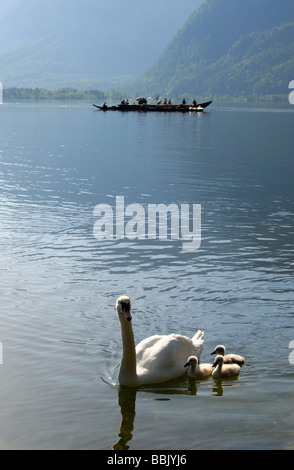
(6, 5)
(188, 5)
(130, 34)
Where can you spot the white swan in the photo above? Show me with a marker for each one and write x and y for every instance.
(155, 359)
(228, 358)
(197, 371)
(224, 370)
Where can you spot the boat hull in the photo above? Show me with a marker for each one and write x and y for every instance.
(166, 108)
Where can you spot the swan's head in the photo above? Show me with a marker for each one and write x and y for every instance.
(123, 307)
(219, 360)
(220, 349)
(192, 361)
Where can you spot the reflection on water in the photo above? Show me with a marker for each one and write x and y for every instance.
(183, 386)
(59, 284)
(127, 403)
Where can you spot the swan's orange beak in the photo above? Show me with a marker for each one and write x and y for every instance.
(126, 311)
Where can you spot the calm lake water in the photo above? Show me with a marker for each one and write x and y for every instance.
(58, 326)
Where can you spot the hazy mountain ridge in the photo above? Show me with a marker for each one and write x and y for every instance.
(225, 47)
(65, 42)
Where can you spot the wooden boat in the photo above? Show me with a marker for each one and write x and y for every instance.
(167, 108)
(182, 108)
(106, 108)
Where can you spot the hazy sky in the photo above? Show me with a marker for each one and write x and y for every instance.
(188, 5)
(5, 5)
(129, 36)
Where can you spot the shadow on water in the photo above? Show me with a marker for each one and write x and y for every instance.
(127, 401)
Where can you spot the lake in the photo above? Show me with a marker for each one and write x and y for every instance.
(60, 337)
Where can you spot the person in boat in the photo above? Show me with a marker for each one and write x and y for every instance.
(194, 103)
(104, 106)
(165, 101)
(142, 100)
(169, 101)
(184, 101)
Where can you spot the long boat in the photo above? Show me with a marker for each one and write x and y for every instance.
(168, 108)
(106, 108)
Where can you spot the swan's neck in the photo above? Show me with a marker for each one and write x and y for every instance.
(219, 369)
(127, 373)
(192, 372)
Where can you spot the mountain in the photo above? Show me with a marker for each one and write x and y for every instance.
(81, 42)
(227, 47)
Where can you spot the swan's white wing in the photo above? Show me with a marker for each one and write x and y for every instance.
(162, 357)
(198, 337)
(146, 344)
(167, 351)
(198, 344)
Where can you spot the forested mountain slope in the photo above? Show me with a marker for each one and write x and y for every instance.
(228, 47)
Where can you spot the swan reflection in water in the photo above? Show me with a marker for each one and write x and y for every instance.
(157, 361)
(127, 403)
(184, 386)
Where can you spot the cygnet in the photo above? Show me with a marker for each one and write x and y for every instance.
(228, 358)
(224, 370)
(197, 371)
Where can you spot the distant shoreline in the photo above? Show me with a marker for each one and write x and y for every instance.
(40, 94)
(60, 94)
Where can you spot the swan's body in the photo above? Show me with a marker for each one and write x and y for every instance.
(197, 371)
(224, 370)
(155, 359)
(228, 358)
